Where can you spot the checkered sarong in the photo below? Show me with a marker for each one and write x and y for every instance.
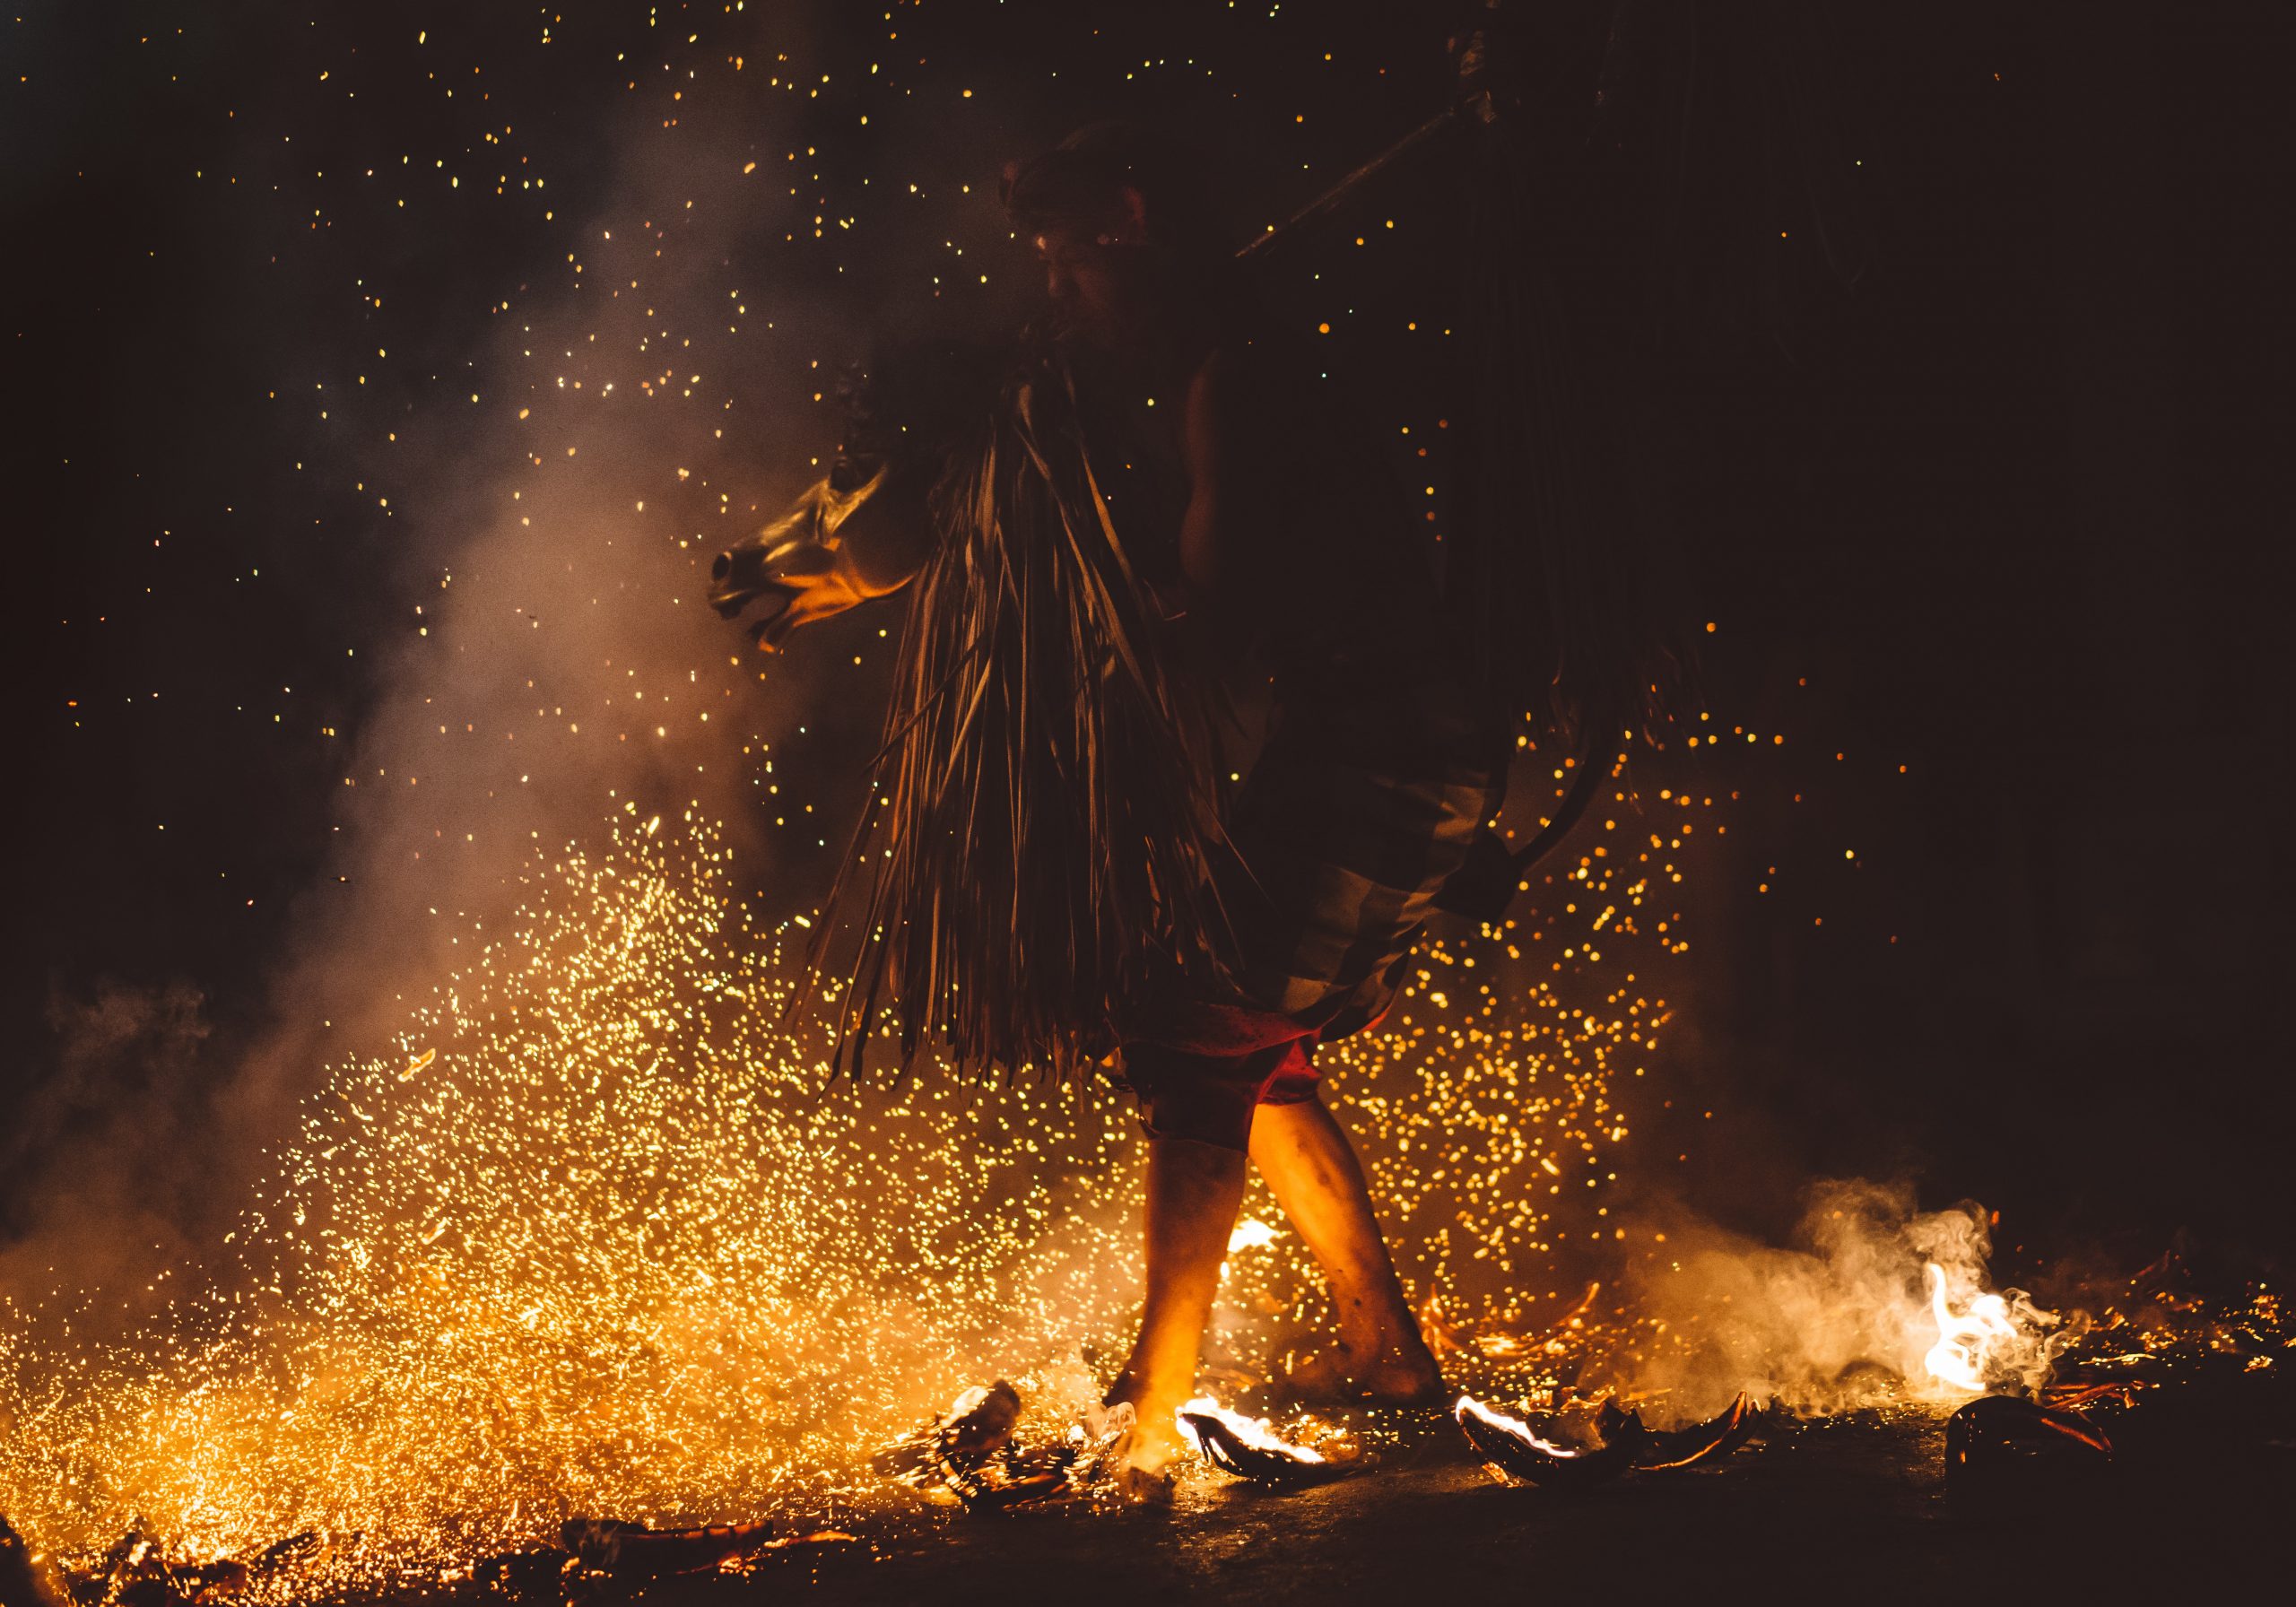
(1356, 815)
(1357, 812)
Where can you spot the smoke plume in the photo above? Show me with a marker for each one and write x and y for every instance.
(1844, 1317)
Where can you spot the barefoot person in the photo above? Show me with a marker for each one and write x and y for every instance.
(1161, 520)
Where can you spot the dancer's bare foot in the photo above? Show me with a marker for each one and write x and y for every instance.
(1154, 1442)
(1153, 1450)
(1395, 1374)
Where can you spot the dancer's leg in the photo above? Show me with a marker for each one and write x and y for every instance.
(1194, 1191)
(1307, 1161)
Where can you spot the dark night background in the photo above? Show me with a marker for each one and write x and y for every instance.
(2015, 508)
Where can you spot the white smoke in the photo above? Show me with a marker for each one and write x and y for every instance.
(1843, 1317)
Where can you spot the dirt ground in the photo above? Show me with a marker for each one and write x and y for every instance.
(2200, 1501)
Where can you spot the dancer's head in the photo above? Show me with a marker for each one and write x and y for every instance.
(1130, 247)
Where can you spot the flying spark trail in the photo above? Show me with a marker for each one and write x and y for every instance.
(596, 1234)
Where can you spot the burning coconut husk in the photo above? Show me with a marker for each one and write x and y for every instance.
(1664, 1450)
(970, 1454)
(1251, 1448)
(1516, 1453)
(2008, 1452)
(977, 1425)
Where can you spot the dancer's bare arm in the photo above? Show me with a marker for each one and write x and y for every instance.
(855, 534)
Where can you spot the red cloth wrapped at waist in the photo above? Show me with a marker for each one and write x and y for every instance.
(1213, 1064)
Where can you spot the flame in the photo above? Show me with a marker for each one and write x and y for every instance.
(1250, 1235)
(1254, 1431)
(1997, 1335)
(1468, 1406)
